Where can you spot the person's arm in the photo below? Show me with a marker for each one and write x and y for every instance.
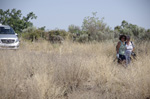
(117, 47)
(133, 49)
(133, 46)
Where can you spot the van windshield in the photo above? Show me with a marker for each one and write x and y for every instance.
(6, 30)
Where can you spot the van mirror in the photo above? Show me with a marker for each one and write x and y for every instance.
(16, 34)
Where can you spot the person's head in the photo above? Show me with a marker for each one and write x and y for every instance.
(128, 38)
(122, 38)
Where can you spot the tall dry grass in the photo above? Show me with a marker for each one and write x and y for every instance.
(73, 71)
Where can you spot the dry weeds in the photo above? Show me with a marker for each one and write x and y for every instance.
(73, 71)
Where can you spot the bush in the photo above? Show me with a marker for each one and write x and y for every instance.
(130, 29)
(146, 36)
(33, 34)
(57, 35)
(83, 38)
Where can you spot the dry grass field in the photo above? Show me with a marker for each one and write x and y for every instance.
(73, 71)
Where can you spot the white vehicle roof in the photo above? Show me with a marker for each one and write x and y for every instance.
(6, 26)
(2, 24)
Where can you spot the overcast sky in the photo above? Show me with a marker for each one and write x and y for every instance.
(62, 13)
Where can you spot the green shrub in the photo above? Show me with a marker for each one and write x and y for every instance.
(146, 36)
(57, 35)
(83, 38)
(33, 34)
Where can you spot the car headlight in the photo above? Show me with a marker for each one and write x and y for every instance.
(17, 40)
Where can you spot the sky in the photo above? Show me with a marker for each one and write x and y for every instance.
(62, 13)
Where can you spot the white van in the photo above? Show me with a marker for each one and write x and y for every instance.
(8, 38)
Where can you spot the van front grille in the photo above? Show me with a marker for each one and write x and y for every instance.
(7, 41)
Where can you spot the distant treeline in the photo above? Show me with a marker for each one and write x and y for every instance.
(93, 29)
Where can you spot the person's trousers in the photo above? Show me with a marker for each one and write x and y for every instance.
(128, 57)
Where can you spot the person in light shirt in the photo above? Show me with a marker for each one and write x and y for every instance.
(129, 50)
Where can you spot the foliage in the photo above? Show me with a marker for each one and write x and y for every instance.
(130, 29)
(95, 27)
(15, 19)
(57, 35)
(83, 38)
(146, 36)
(33, 34)
(74, 29)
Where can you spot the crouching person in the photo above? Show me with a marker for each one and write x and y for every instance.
(121, 48)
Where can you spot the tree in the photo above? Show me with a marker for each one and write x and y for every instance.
(124, 24)
(94, 27)
(74, 29)
(130, 29)
(15, 20)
